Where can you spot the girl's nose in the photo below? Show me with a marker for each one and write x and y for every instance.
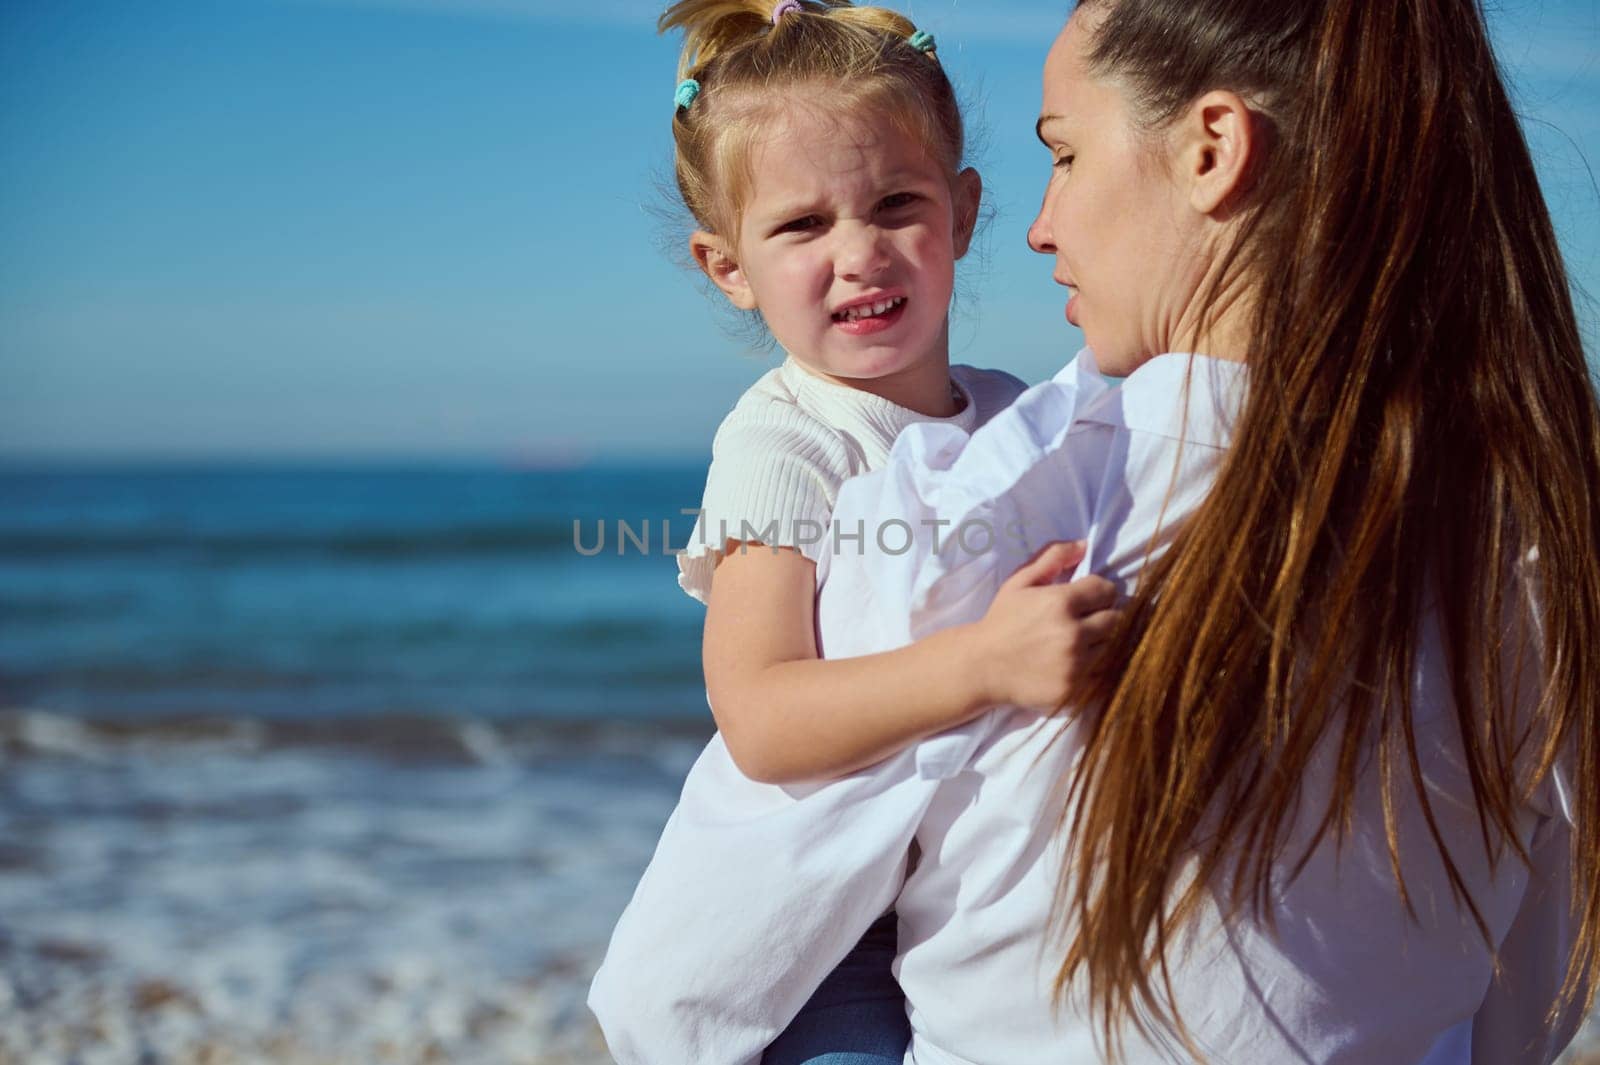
(861, 254)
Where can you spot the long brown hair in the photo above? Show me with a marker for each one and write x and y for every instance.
(1420, 446)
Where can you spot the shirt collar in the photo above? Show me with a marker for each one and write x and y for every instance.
(1188, 397)
(887, 416)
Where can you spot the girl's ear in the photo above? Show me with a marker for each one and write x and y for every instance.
(715, 256)
(968, 196)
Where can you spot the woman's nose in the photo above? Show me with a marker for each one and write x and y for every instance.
(1040, 239)
(861, 253)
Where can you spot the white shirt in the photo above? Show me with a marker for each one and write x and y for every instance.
(790, 441)
(756, 892)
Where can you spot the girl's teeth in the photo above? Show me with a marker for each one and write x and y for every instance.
(871, 310)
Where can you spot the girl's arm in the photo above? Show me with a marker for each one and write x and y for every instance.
(787, 715)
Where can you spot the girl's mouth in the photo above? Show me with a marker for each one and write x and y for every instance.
(870, 317)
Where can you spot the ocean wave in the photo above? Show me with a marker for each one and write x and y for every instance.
(521, 538)
(34, 733)
(222, 889)
(19, 609)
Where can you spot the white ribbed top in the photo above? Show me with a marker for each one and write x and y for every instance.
(780, 455)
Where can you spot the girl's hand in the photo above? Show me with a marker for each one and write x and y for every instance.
(1042, 639)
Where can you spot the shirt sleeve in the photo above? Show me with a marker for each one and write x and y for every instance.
(755, 894)
(756, 891)
(1514, 1026)
(1517, 1024)
(959, 493)
(773, 479)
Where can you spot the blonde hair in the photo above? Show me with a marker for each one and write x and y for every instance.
(750, 70)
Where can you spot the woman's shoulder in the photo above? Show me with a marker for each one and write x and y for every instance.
(991, 390)
(988, 377)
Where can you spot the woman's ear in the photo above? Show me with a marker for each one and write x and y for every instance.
(1219, 140)
(968, 197)
(715, 256)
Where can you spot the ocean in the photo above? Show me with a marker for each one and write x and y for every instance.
(334, 766)
(331, 765)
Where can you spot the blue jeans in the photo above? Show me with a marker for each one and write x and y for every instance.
(858, 1014)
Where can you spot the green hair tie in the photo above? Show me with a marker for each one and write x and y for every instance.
(922, 41)
(688, 89)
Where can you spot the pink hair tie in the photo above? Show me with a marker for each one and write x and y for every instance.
(784, 7)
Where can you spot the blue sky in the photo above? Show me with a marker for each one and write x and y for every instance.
(409, 228)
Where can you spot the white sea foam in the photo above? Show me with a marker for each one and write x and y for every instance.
(183, 903)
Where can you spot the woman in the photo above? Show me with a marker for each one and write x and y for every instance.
(1341, 803)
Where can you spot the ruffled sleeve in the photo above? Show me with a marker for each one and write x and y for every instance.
(774, 475)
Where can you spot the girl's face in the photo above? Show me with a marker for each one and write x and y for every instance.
(847, 245)
(1114, 218)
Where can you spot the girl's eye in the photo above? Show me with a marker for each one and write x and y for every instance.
(799, 225)
(899, 199)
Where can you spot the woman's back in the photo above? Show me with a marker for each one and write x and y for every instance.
(1346, 978)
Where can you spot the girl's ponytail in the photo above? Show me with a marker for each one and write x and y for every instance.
(714, 27)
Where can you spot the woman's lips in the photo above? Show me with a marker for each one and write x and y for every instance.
(1072, 310)
(861, 327)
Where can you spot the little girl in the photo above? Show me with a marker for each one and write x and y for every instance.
(819, 148)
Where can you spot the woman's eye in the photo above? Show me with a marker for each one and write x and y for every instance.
(899, 199)
(1064, 162)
